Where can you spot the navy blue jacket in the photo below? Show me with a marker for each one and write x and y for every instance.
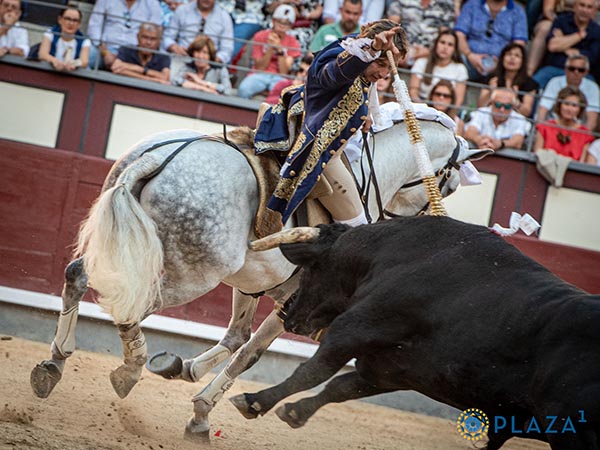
(319, 117)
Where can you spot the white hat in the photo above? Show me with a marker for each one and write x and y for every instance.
(285, 12)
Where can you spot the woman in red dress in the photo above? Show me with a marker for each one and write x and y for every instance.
(565, 134)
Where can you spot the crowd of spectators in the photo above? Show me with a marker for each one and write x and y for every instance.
(536, 69)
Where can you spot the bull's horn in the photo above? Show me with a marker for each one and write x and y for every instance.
(291, 236)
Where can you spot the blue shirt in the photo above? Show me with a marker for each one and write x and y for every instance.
(589, 47)
(475, 20)
(186, 24)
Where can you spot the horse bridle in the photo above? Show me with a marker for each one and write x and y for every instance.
(384, 213)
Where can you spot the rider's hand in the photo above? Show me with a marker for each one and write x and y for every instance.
(366, 125)
(384, 41)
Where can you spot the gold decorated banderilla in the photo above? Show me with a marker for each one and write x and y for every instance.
(416, 139)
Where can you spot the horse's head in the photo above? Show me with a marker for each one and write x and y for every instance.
(411, 198)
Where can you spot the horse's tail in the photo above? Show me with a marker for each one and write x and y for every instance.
(122, 252)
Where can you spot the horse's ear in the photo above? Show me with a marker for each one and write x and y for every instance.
(475, 154)
(302, 253)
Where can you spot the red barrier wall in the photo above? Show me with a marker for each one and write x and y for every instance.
(44, 195)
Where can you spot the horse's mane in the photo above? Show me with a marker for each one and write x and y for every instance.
(241, 136)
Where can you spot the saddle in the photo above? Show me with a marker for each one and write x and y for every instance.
(266, 169)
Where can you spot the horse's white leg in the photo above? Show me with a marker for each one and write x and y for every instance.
(238, 333)
(198, 427)
(48, 373)
(135, 354)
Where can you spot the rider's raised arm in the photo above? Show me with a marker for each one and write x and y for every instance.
(334, 69)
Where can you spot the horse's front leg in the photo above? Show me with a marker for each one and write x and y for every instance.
(46, 375)
(238, 332)
(198, 427)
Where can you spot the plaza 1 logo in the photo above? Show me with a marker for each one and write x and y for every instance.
(473, 424)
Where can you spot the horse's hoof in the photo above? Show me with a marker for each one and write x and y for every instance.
(44, 377)
(249, 411)
(165, 364)
(195, 432)
(289, 415)
(123, 379)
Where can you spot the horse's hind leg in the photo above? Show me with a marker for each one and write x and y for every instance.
(48, 373)
(135, 354)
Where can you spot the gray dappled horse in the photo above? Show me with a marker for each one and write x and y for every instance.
(163, 234)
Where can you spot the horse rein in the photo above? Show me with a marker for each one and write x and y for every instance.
(384, 213)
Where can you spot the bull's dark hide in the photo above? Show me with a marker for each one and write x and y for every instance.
(452, 311)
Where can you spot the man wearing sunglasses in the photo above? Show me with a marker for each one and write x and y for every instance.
(572, 33)
(498, 126)
(577, 67)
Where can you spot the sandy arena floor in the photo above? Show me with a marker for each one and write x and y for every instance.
(83, 413)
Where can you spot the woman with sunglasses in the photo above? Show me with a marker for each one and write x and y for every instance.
(565, 134)
(511, 72)
(444, 62)
(443, 98)
(64, 45)
(203, 73)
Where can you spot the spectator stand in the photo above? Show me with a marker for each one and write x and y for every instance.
(241, 67)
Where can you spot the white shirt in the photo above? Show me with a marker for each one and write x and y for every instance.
(65, 50)
(116, 25)
(372, 10)
(594, 150)
(453, 72)
(482, 120)
(16, 36)
(587, 86)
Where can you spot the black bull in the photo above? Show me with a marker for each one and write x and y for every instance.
(452, 311)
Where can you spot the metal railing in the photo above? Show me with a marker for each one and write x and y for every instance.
(473, 88)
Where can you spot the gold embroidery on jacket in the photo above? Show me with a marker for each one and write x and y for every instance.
(298, 146)
(278, 108)
(279, 145)
(336, 122)
(295, 109)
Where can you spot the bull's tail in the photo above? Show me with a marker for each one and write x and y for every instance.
(122, 252)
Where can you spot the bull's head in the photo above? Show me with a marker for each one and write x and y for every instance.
(320, 298)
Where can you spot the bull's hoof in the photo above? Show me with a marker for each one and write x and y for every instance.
(249, 411)
(289, 415)
(165, 364)
(44, 377)
(124, 378)
(195, 432)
